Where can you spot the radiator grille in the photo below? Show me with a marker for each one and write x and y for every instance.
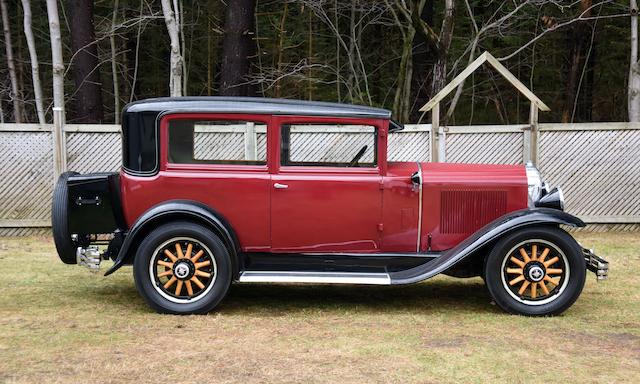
(465, 211)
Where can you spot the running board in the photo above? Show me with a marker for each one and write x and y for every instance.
(314, 277)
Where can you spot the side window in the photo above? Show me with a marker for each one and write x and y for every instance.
(217, 142)
(330, 145)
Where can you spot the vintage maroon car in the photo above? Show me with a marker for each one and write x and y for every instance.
(215, 190)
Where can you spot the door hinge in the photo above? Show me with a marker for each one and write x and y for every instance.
(381, 184)
(380, 227)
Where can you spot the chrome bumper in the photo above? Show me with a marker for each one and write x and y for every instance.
(596, 264)
(89, 257)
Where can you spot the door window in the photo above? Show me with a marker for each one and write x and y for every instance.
(217, 142)
(330, 145)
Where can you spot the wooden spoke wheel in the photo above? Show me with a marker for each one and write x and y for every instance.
(535, 272)
(182, 270)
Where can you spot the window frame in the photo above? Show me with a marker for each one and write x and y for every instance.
(166, 165)
(380, 126)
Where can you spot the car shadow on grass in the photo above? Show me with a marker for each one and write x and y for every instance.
(437, 296)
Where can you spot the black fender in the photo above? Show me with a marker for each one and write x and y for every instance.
(177, 210)
(485, 236)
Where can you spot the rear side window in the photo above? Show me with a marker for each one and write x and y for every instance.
(217, 142)
(330, 145)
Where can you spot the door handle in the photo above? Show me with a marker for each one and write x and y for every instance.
(280, 186)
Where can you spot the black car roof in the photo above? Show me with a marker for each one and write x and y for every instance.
(254, 105)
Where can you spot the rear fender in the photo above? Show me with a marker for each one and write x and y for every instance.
(171, 211)
(484, 237)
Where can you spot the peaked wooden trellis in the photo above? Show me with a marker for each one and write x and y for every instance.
(438, 133)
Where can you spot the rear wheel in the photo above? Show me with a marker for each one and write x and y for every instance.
(535, 271)
(182, 268)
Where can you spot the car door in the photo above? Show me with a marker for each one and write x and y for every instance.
(326, 189)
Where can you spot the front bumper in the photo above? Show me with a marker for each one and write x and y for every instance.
(596, 264)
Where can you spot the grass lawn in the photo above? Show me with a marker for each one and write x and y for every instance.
(59, 323)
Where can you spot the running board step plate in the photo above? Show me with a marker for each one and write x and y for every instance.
(315, 277)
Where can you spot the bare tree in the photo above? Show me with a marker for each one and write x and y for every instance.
(238, 48)
(114, 65)
(172, 20)
(87, 97)
(35, 67)
(15, 92)
(56, 54)
(634, 68)
(444, 42)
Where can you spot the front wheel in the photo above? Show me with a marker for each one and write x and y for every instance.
(182, 268)
(535, 271)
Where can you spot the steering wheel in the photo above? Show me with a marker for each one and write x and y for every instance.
(358, 156)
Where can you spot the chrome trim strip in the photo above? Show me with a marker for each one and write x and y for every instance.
(314, 277)
(419, 209)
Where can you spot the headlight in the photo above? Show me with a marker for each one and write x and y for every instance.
(534, 182)
(540, 195)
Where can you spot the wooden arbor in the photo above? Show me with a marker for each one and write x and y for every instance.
(438, 133)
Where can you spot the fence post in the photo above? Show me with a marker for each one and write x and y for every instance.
(435, 132)
(250, 142)
(530, 137)
(59, 144)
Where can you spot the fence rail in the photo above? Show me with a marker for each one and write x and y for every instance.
(595, 163)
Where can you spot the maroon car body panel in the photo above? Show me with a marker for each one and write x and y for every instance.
(333, 209)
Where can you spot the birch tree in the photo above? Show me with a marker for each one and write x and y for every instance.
(634, 68)
(171, 19)
(56, 54)
(33, 55)
(114, 65)
(15, 94)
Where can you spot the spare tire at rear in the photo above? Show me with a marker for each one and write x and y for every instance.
(65, 245)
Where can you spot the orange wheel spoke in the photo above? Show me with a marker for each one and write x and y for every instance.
(516, 280)
(525, 256)
(551, 261)
(179, 287)
(165, 273)
(543, 255)
(170, 255)
(554, 271)
(203, 274)
(523, 288)
(196, 257)
(170, 282)
(164, 263)
(187, 255)
(517, 271)
(179, 251)
(197, 282)
(189, 288)
(203, 264)
(534, 252)
(543, 286)
(517, 261)
(552, 281)
(534, 290)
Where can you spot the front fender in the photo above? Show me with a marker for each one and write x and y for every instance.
(176, 210)
(485, 235)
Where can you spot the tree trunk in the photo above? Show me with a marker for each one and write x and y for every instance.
(15, 93)
(402, 99)
(114, 65)
(634, 68)
(56, 54)
(238, 48)
(171, 18)
(87, 102)
(35, 68)
(444, 41)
